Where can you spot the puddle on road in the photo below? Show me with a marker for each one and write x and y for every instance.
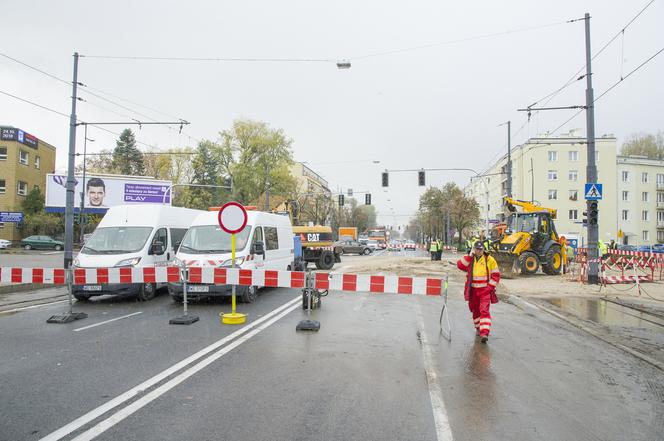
(608, 313)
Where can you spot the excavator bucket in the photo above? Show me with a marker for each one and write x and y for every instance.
(508, 264)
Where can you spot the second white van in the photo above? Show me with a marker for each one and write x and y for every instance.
(266, 242)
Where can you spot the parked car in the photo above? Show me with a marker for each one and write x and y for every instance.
(353, 247)
(42, 242)
(657, 248)
(4, 244)
(373, 244)
(627, 248)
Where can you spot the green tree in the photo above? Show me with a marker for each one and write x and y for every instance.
(649, 145)
(33, 202)
(127, 159)
(206, 170)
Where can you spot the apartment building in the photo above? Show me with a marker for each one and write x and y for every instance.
(640, 200)
(552, 172)
(24, 162)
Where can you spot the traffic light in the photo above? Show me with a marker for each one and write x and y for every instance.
(385, 179)
(341, 200)
(367, 199)
(593, 213)
(420, 178)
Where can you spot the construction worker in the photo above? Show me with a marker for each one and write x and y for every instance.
(603, 249)
(480, 290)
(433, 248)
(439, 253)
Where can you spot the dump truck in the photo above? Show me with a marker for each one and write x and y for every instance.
(348, 233)
(529, 240)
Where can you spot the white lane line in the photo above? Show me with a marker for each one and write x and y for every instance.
(131, 393)
(107, 321)
(33, 306)
(51, 253)
(441, 421)
(120, 415)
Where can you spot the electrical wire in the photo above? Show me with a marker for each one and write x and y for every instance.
(34, 104)
(460, 40)
(259, 60)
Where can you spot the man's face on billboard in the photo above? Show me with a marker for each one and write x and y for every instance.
(96, 196)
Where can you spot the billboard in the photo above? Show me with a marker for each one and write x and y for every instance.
(101, 192)
(14, 134)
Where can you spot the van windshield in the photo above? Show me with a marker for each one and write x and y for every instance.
(117, 240)
(209, 239)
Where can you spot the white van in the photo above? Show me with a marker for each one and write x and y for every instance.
(265, 243)
(133, 235)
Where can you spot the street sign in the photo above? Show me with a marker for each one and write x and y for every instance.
(620, 233)
(15, 217)
(593, 191)
(232, 217)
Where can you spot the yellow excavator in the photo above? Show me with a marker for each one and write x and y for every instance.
(529, 241)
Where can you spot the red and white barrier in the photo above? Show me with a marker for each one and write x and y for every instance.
(227, 276)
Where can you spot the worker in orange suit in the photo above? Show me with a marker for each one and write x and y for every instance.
(480, 290)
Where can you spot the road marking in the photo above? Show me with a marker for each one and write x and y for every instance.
(131, 393)
(33, 306)
(161, 390)
(441, 421)
(51, 252)
(107, 321)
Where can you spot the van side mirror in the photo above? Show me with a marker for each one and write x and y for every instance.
(258, 248)
(157, 248)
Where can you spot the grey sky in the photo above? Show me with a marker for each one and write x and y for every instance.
(434, 107)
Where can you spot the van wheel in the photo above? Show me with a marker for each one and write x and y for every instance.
(249, 294)
(177, 299)
(326, 261)
(146, 292)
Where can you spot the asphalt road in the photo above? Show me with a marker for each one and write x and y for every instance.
(377, 370)
(33, 258)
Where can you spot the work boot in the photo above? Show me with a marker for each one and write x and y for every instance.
(484, 339)
(477, 331)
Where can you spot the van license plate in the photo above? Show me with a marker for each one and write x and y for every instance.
(198, 288)
(91, 287)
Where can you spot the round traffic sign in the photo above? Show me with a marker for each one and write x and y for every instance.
(232, 217)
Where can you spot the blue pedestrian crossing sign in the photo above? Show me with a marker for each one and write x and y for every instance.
(593, 191)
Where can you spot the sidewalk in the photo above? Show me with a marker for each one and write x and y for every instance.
(13, 300)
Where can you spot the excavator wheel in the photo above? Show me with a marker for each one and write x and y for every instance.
(529, 263)
(554, 261)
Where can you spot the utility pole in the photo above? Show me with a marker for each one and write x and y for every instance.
(591, 168)
(71, 181)
(509, 159)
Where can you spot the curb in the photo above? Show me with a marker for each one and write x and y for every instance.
(575, 323)
(8, 289)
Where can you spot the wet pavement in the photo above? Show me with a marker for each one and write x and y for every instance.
(361, 377)
(609, 313)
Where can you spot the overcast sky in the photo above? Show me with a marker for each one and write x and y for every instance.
(436, 106)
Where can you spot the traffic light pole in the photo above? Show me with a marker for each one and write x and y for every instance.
(591, 168)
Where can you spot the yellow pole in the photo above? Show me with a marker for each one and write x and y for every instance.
(233, 265)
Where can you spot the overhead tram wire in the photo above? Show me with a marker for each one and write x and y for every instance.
(68, 83)
(34, 104)
(217, 59)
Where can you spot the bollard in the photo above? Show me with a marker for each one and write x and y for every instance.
(185, 318)
(308, 291)
(69, 316)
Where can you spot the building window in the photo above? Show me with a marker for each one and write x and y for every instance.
(3, 153)
(553, 175)
(625, 196)
(23, 157)
(553, 195)
(645, 216)
(660, 197)
(625, 215)
(573, 155)
(625, 176)
(660, 236)
(644, 177)
(22, 188)
(2, 225)
(553, 156)
(574, 195)
(3, 186)
(660, 216)
(646, 235)
(37, 162)
(573, 214)
(573, 175)
(660, 178)
(645, 197)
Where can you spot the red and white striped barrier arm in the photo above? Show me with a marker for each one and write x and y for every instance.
(227, 276)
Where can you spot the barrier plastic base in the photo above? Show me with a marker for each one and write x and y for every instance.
(67, 317)
(233, 318)
(183, 320)
(308, 325)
